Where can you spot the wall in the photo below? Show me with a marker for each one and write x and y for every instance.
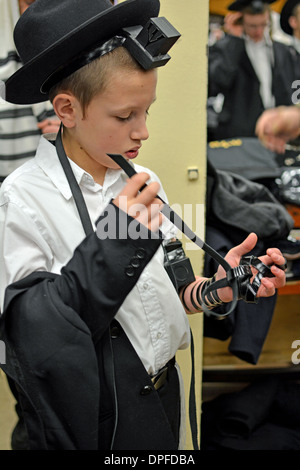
(177, 125)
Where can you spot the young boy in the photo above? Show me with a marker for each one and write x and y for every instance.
(92, 325)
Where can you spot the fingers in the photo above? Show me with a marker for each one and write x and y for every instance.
(269, 285)
(247, 245)
(232, 24)
(141, 202)
(273, 256)
(132, 190)
(150, 216)
(49, 126)
(264, 132)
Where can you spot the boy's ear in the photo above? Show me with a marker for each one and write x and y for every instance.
(65, 106)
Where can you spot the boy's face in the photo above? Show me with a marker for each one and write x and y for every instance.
(115, 120)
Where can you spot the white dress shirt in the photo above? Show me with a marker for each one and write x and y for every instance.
(40, 228)
(296, 44)
(261, 56)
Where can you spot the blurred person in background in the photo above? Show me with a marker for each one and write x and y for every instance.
(20, 131)
(20, 126)
(248, 68)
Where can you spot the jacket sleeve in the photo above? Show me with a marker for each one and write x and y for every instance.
(224, 63)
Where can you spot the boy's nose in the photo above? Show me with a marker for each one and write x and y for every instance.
(140, 132)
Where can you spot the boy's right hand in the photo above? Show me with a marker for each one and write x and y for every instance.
(143, 205)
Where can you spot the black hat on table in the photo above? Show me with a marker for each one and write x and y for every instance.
(285, 14)
(53, 35)
(239, 5)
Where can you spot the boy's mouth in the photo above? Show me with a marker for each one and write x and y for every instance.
(133, 153)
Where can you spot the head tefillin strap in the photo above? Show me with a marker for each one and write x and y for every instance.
(80, 61)
(148, 45)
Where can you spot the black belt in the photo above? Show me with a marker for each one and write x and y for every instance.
(160, 378)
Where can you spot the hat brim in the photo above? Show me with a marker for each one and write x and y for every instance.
(239, 6)
(23, 87)
(285, 14)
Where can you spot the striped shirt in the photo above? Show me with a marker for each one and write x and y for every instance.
(19, 134)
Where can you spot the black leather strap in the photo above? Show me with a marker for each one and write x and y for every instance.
(74, 186)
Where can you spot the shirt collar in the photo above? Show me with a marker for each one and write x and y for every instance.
(47, 159)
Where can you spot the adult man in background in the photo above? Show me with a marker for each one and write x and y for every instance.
(248, 68)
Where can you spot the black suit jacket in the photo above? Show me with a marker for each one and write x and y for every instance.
(81, 384)
(232, 74)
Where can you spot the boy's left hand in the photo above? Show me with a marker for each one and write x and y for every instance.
(268, 284)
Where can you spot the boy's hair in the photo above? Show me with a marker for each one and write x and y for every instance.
(91, 79)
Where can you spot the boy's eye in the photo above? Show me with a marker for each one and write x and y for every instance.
(124, 119)
(127, 118)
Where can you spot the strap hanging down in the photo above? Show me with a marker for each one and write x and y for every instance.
(75, 189)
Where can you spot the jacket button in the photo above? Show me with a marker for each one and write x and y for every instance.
(135, 262)
(146, 390)
(129, 271)
(114, 332)
(140, 253)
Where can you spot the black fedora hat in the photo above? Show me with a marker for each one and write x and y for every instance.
(285, 14)
(239, 5)
(52, 32)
